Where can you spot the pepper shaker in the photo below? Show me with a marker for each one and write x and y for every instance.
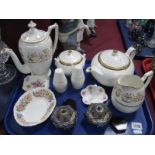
(77, 77)
(59, 80)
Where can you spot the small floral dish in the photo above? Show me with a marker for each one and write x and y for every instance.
(34, 107)
(93, 94)
(32, 81)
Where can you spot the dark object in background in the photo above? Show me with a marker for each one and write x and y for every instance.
(119, 124)
(138, 47)
(134, 34)
(141, 40)
(149, 28)
(140, 31)
(70, 102)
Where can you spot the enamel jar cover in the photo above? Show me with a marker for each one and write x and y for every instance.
(108, 65)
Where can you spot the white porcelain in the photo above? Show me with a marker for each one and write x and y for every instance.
(36, 49)
(129, 92)
(34, 107)
(32, 81)
(77, 77)
(108, 65)
(59, 80)
(68, 59)
(93, 94)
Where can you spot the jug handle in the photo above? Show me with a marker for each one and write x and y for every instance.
(131, 52)
(146, 78)
(50, 28)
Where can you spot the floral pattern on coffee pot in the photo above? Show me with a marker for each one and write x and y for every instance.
(36, 49)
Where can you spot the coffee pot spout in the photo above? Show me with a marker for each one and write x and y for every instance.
(23, 68)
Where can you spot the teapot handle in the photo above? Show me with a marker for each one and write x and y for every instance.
(146, 78)
(50, 28)
(131, 52)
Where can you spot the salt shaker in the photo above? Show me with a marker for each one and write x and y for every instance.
(59, 80)
(77, 77)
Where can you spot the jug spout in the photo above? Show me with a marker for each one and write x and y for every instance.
(23, 68)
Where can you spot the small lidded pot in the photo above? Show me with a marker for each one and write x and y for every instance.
(98, 114)
(64, 117)
(68, 59)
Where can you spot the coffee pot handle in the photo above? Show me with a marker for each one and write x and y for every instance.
(146, 78)
(50, 28)
(131, 52)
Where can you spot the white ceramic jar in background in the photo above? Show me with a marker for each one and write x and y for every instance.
(60, 80)
(77, 77)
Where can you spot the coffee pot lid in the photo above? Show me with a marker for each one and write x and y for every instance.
(33, 35)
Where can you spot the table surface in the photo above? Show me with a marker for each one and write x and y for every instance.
(108, 37)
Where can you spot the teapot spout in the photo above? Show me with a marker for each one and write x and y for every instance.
(23, 68)
(94, 70)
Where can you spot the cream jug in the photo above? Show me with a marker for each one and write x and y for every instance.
(129, 92)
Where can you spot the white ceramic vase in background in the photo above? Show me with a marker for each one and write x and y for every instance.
(77, 77)
(60, 80)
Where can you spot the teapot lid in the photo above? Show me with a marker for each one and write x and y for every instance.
(114, 60)
(33, 35)
(70, 57)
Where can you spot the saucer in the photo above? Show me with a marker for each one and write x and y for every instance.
(93, 94)
(33, 81)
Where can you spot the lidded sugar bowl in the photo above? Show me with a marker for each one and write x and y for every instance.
(36, 49)
(68, 59)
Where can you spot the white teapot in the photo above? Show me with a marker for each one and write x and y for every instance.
(108, 65)
(36, 49)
